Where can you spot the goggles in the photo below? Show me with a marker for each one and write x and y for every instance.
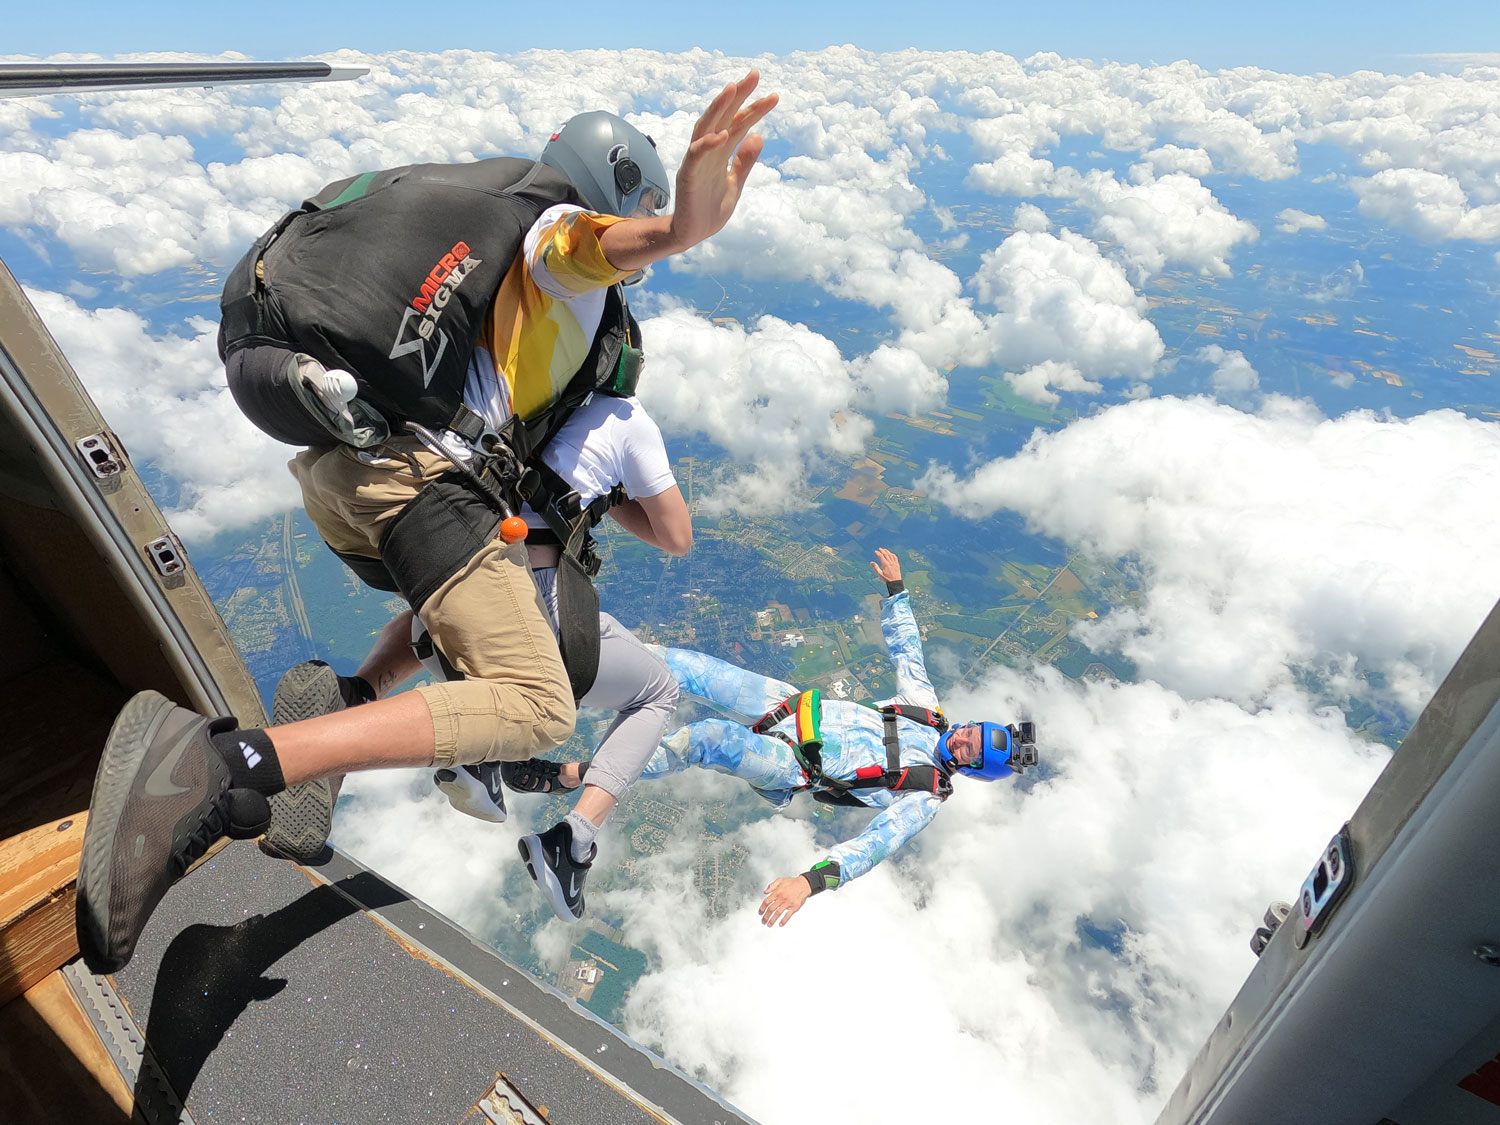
(652, 202)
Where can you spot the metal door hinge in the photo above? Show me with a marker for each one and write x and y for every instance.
(102, 454)
(1325, 886)
(167, 557)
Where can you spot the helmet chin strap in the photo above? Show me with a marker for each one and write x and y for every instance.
(944, 753)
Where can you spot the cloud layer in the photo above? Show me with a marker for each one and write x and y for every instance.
(149, 181)
(1270, 544)
(1065, 942)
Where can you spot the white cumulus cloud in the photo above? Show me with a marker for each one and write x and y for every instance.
(1058, 300)
(1431, 205)
(1291, 220)
(1268, 542)
(775, 397)
(1233, 374)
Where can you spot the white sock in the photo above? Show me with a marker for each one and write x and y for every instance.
(584, 831)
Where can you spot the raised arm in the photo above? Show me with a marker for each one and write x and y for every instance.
(902, 639)
(709, 183)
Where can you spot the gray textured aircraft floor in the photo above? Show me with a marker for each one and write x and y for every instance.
(329, 995)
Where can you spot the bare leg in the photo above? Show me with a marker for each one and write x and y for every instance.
(382, 735)
(594, 804)
(391, 662)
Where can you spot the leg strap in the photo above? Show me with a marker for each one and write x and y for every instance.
(577, 624)
(435, 535)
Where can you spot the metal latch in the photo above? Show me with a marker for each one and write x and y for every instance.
(1325, 886)
(506, 1105)
(166, 555)
(100, 455)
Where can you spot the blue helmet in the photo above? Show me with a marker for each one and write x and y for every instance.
(1004, 750)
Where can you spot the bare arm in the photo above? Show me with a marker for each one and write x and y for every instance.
(662, 520)
(783, 898)
(709, 182)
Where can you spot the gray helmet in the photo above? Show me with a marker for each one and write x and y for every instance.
(613, 164)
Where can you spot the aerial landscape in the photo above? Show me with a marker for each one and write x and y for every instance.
(1172, 389)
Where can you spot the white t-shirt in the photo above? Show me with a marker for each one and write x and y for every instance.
(608, 441)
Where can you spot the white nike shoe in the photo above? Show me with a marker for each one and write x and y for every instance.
(475, 790)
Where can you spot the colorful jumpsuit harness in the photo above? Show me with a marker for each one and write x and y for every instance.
(807, 706)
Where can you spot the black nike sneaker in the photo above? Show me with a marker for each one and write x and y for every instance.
(549, 861)
(161, 799)
(474, 790)
(302, 815)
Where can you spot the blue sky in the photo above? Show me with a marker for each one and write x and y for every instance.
(1301, 37)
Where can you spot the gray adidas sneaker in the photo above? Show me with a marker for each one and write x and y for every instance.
(161, 799)
(302, 815)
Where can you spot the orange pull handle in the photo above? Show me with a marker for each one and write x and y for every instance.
(513, 529)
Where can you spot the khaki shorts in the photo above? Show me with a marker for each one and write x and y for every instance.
(515, 702)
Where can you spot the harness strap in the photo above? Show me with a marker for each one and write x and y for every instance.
(570, 521)
(570, 526)
(807, 706)
(927, 716)
(467, 424)
(892, 742)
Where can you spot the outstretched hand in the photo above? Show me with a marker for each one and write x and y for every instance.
(718, 162)
(887, 566)
(784, 897)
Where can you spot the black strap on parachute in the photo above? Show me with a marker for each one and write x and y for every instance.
(570, 526)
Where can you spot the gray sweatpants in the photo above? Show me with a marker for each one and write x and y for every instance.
(635, 683)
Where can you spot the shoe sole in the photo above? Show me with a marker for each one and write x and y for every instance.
(129, 739)
(471, 797)
(543, 876)
(302, 815)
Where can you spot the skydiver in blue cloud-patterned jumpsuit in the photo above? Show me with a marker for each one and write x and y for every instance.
(853, 736)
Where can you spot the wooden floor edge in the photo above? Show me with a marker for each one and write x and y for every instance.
(54, 1065)
(38, 888)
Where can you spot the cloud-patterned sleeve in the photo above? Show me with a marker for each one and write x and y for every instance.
(895, 824)
(904, 643)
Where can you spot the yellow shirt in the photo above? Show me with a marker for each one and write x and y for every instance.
(542, 323)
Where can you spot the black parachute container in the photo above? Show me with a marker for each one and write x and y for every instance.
(388, 275)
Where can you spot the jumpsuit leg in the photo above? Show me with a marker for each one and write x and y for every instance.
(635, 683)
(728, 747)
(724, 685)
